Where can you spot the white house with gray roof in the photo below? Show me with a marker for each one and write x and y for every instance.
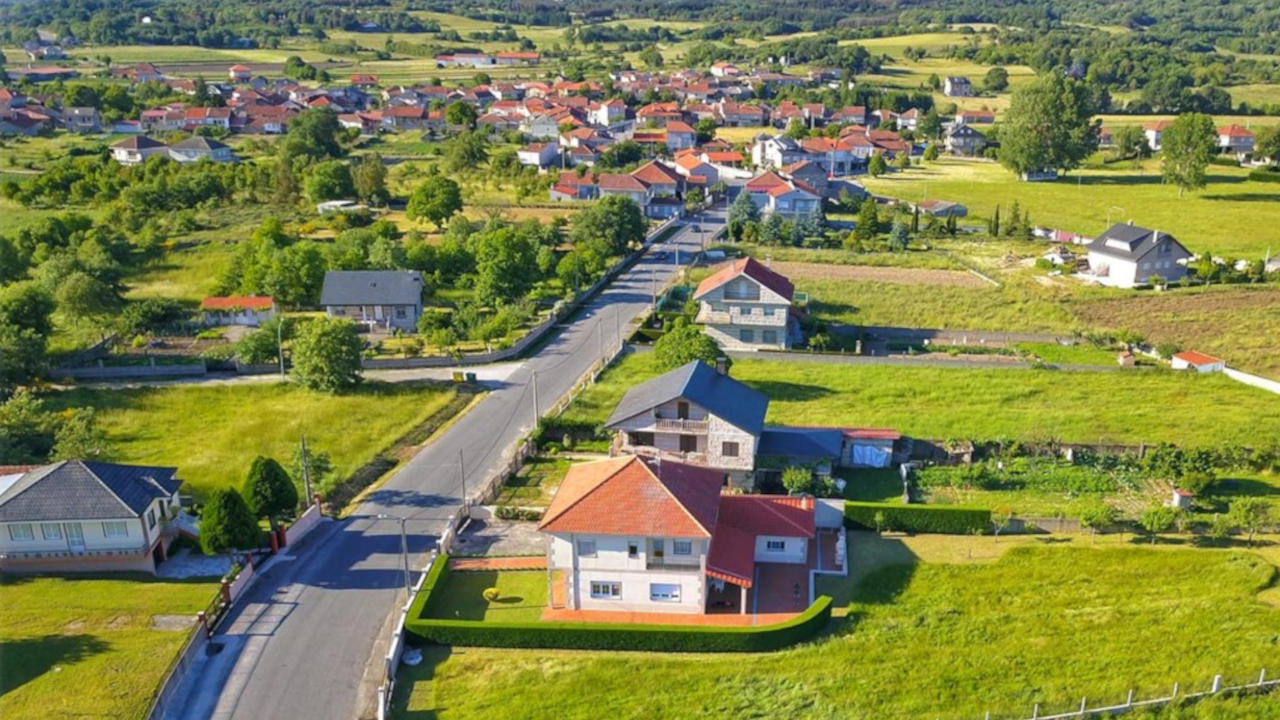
(83, 516)
(1127, 255)
(386, 299)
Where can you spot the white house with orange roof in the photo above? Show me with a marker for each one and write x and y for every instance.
(747, 306)
(250, 310)
(1154, 132)
(239, 73)
(772, 193)
(1235, 139)
(1198, 361)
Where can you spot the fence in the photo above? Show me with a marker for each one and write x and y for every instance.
(1263, 685)
(110, 372)
(305, 523)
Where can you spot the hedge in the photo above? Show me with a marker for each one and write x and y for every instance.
(600, 636)
(944, 519)
(1264, 176)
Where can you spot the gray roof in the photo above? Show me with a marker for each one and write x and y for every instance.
(198, 142)
(697, 382)
(801, 442)
(81, 490)
(372, 287)
(1131, 242)
(965, 131)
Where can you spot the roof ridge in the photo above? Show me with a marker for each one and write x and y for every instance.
(767, 501)
(678, 501)
(546, 518)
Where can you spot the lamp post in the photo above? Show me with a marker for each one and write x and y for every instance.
(404, 550)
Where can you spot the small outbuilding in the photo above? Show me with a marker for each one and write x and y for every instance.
(1192, 360)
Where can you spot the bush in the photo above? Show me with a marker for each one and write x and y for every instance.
(1265, 175)
(491, 594)
(599, 636)
(509, 512)
(917, 518)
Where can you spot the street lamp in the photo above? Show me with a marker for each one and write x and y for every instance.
(404, 550)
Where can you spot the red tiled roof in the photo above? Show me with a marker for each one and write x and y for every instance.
(752, 269)
(238, 302)
(1197, 358)
(744, 517)
(653, 173)
(764, 181)
(724, 156)
(636, 496)
(1234, 131)
(679, 126)
(621, 181)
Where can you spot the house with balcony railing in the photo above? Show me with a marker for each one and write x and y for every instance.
(747, 306)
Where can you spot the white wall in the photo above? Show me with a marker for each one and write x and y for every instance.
(94, 537)
(796, 549)
(612, 563)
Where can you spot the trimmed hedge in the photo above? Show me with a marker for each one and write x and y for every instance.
(599, 636)
(1264, 175)
(943, 519)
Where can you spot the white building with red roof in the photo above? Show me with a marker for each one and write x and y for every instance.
(747, 306)
(250, 310)
(1198, 361)
(1235, 139)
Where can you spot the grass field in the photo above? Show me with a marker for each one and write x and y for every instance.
(943, 402)
(535, 484)
(930, 629)
(1223, 218)
(213, 433)
(522, 596)
(86, 647)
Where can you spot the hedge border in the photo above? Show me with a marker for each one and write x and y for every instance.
(944, 519)
(601, 636)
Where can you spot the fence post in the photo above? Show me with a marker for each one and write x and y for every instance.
(203, 619)
(1129, 702)
(1262, 676)
(1174, 696)
(1217, 683)
(1083, 703)
(1035, 712)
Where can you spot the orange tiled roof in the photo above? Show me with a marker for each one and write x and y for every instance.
(636, 496)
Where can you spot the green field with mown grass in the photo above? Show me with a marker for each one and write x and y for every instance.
(212, 433)
(930, 629)
(86, 647)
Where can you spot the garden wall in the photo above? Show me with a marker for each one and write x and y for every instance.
(943, 519)
(599, 636)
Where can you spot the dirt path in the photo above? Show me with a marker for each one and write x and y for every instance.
(872, 273)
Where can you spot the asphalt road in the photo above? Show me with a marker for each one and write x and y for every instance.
(299, 644)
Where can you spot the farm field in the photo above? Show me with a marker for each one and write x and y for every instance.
(209, 435)
(950, 599)
(1126, 407)
(90, 646)
(1222, 218)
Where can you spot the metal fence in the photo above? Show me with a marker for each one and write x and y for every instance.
(1131, 703)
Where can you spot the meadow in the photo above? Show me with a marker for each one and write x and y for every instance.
(212, 433)
(930, 627)
(977, 403)
(1223, 218)
(87, 646)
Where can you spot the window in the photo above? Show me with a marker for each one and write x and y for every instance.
(151, 518)
(682, 410)
(747, 336)
(681, 547)
(606, 590)
(51, 531)
(21, 532)
(775, 545)
(586, 548)
(688, 443)
(658, 548)
(401, 313)
(769, 337)
(664, 592)
(633, 550)
(729, 449)
(643, 439)
(115, 528)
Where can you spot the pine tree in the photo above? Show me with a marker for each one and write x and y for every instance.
(269, 491)
(994, 230)
(227, 524)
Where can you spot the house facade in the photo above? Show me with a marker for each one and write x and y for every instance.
(747, 306)
(82, 516)
(135, 150)
(378, 299)
(248, 310)
(1127, 255)
(196, 148)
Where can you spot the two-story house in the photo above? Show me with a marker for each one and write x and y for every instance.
(694, 413)
(648, 535)
(747, 306)
(82, 516)
(1127, 255)
(135, 150)
(198, 147)
(387, 299)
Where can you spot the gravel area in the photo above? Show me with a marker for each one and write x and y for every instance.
(500, 537)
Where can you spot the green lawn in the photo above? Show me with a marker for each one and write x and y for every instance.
(213, 433)
(920, 639)
(535, 484)
(1222, 218)
(942, 402)
(85, 647)
(522, 596)
(1081, 354)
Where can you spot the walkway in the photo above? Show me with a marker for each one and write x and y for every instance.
(657, 618)
(499, 563)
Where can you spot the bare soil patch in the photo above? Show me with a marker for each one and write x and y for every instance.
(172, 623)
(869, 273)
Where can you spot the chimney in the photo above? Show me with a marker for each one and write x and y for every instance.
(722, 365)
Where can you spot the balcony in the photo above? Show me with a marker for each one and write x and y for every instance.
(680, 425)
(773, 318)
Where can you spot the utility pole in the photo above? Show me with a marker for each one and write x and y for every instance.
(280, 344)
(536, 414)
(600, 335)
(617, 325)
(404, 550)
(462, 474)
(306, 470)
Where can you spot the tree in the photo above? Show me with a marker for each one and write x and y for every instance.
(1097, 514)
(318, 467)
(227, 523)
(1186, 147)
(326, 354)
(996, 80)
(369, 178)
(1129, 142)
(1266, 143)
(1050, 125)
(902, 161)
(461, 114)
(22, 357)
(1157, 519)
(269, 491)
(466, 151)
(613, 224)
(651, 57)
(706, 129)
(876, 166)
(931, 125)
(741, 212)
(505, 261)
(329, 181)
(83, 297)
(994, 228)
(899, 236)
(1251, 514)
(797, 479)
(436, 199)
(683, 344)
(1219, 527)
(314, 133)
(868, 225)
(27, 305)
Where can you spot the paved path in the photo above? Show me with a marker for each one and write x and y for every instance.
(298, 645)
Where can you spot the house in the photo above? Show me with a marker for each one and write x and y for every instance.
(965, 140)
(83, 516)
(1192, 360)
(389, 299)
(808, 173)
(539, 155)
(957, 86)
(1154, 132)
(1059, 255)
(239, 73)
(82, 120)
(747, 306)
(1126, 359)
(695, 414)
(1127, 255)
(638, 534)
(364, 80)
(135, 150)
(975, 117)
(625, 185)
(697, 171)
(942, 208)
(1235, 139)
(250, 310)
(775, 151)
(198, 147)
(680, 135)
(513, 57)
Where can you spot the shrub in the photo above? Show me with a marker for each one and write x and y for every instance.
(944, 519)
(491, 594)
(1265, 176)
(510, 512)
(599, 636)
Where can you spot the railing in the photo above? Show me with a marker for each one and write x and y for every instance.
(1216, 688)
(736, 317)
(681, 425)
